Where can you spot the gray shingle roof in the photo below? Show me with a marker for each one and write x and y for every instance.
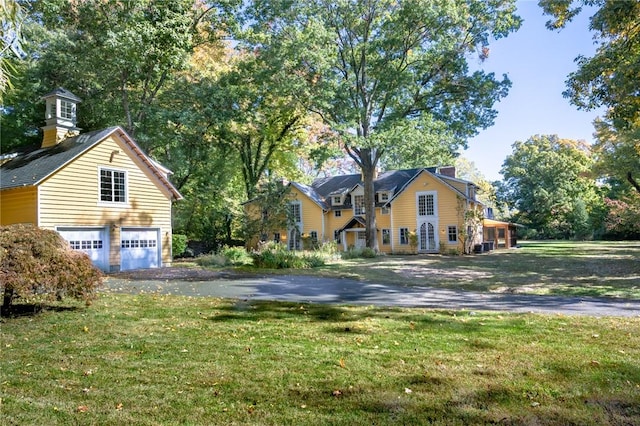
(322, 189)
(34, 164)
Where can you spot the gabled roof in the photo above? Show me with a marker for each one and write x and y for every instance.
(35, 164)
(321, 190)
(355, 220)
(313, 195)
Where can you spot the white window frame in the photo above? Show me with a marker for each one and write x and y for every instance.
(336, 200)
(385, 210)
(386, 232)
(383, 196)
(358, 209)
(125, 202)
(426, 194)
(337, 213)
(292, 212)
(405, 241)
(455, 228)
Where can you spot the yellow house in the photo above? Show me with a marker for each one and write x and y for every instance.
(97, 189)
(424, 210)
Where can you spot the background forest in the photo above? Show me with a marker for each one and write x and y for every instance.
(235, 97)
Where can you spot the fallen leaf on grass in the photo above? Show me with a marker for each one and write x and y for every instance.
(119, 407)
(342, 364)
(336, 392)
(82, 409)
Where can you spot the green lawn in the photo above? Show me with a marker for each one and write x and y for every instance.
(156, 360)
(568, 268)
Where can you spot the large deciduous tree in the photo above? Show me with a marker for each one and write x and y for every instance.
(547, 179)
(115, 55)
(617, 155)
(10, 39)
(610, 77)
(385, 73)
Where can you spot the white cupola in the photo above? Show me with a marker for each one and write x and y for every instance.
(60, 116)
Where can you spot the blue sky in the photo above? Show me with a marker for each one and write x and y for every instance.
(537, 62)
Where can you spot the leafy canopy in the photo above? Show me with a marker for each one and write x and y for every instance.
(610, 77)
(373, 68)
(547, 179)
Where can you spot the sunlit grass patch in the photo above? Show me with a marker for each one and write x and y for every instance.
(569, 268)
(153, 359)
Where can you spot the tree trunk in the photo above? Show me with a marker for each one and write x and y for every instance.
(633, 182)
(7, 299)
(368, 167)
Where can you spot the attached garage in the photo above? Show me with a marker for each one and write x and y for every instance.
(93, 241)
(139, 248)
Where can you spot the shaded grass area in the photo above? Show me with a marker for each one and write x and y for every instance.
(563, 268)
(151, 360)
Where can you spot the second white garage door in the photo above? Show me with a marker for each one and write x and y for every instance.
(139, 248)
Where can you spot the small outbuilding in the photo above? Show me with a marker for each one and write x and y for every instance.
(104, 195)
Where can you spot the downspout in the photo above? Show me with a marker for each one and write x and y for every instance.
(391, 231)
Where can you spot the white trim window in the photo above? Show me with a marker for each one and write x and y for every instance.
(336, 200)
(452, 234)
(337, 213)
(295, 210)
(386, 237)
(385, 210)
(113, 186)
(404, 236)
(358, 205)
(426, 203)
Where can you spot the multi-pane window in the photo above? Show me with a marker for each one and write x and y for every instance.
(314, 237)
(138, 243)
(426, 206)
(276, 237)
(85, 245)
(337, 213)
(337, 199)
(385, 210)
(386, 237)
(336, 236)
(404, 235)
(113, 186)
(384, 196)
(452, 232)
(66, 109)
(294, 210)
(358, 205)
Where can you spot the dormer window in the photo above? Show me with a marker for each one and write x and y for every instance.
(336, 200)
(383, 196)
(358, 205)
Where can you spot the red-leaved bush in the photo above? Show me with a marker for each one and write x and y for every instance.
(39, 264)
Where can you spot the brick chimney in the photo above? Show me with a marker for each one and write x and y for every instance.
(60, 117)
(447, 171)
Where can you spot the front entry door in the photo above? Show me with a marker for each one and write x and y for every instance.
(427, 237)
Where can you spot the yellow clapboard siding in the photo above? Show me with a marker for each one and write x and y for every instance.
(70, 197)
(405, 209)
(311, 213)
(19, 205)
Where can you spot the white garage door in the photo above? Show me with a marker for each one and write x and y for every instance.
(92, 241)
(139, 248)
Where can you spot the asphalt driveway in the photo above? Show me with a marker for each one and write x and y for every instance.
(346, 291)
